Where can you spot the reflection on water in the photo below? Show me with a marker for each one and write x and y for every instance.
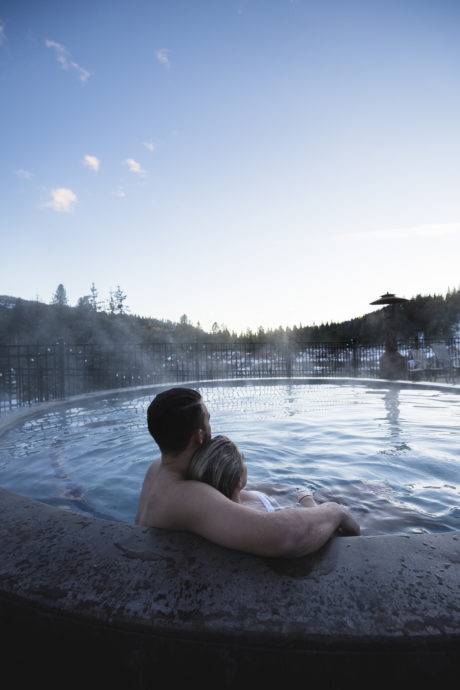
(390, 455)
(391, 402)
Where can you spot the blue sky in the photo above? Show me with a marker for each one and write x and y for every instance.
(247, 162)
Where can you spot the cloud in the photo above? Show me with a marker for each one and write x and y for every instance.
(64, 59)
(150, 146)
(120, 193)
(135, 167)
(24, 174)
(2, 33)
(62, 200)
(432, 230)
(163, 56)
(91, 162)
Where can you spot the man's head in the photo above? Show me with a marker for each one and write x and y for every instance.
(176, 418)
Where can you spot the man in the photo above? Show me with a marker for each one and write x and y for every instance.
(179, 423)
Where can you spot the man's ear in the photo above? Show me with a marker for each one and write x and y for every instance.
(199, 436)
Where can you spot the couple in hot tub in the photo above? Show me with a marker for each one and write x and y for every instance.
(197, 485)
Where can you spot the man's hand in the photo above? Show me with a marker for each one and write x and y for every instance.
(348, 526)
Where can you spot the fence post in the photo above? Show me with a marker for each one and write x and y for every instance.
(18, 373)
(354, 356)
(9, 369)
(289, 359)
(61, 368)
(39, 392)
(197, 362)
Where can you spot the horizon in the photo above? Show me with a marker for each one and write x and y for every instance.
(222, 326)
(252, 164)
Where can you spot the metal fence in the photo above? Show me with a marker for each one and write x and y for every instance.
(37, 373)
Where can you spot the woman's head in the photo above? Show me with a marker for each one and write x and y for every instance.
(220, 464)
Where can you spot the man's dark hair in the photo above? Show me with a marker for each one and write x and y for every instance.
(173, 416)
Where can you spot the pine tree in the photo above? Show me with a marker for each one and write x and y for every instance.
(60, 296)
(120, 297)
(95, 304)
(84, 303)
(111, 303)
(18, 319)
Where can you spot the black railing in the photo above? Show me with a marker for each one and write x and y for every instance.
(37, 373)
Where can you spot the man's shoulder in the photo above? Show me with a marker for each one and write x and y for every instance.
(155, 464)
(143, 509)
(172, 502)
(152, 470)
(192, 491)
(175, 486)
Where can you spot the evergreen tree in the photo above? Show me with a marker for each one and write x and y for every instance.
(84, 303)
(435, 317)
(95, 304)
(60, 296)
(18, 321)
(111, 303)
(119, 298)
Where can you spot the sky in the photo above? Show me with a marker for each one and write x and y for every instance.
(246, 162)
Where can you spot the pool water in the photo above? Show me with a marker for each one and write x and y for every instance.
(390, 454)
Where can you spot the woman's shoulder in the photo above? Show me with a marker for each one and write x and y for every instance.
(251, 498)
(260, 500)
(248, 495)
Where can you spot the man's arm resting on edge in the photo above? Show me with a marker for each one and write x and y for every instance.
(289, 533)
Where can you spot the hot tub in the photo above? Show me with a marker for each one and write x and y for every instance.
(99, 596)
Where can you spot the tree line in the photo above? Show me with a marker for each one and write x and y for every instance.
(114, 305)
(110, 324)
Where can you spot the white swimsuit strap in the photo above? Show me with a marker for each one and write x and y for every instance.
(264, 499)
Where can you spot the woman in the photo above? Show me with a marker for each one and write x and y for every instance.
(220, 464)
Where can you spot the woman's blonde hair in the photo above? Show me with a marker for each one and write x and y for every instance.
(218, 463)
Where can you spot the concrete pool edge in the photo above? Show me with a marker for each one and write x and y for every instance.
(394, 594)
(68, 580)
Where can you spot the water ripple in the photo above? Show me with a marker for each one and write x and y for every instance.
(390, 455)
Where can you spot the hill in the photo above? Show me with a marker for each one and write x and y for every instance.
(28, 322)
